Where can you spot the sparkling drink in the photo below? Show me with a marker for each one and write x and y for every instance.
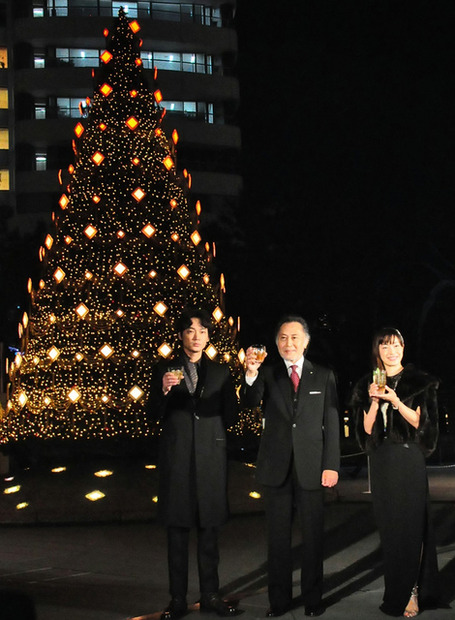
(260, 352)
(177, 371)
(380, 378)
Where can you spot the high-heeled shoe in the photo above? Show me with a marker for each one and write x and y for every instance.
(412, 608)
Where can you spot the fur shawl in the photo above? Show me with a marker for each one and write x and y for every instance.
(415, 389)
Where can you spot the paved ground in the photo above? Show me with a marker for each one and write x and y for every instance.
(105, 560)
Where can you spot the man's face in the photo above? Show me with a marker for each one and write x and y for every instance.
(291, 341)
(194, 339)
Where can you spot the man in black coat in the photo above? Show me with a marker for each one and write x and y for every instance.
(299, 455)
(195, 409)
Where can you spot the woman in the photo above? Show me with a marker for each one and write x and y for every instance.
(398, 427)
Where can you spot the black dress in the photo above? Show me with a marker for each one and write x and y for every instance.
(399, 487)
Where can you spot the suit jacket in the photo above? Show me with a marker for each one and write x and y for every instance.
(307, 432)
(192, 463)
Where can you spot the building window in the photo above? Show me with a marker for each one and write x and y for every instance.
(78, 57)
(40, 111)
(175, 61)
(71, 107)
(130, 8)
(40, 162)
(3, 99)
(191, 109)
(4, 139)
(3, 58)
(4, 179)
(39, 61)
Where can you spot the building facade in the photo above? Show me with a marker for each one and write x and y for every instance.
(48, 52)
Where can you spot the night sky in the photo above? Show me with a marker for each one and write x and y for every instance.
(348, 135)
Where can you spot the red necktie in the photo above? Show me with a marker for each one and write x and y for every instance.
(295, 377)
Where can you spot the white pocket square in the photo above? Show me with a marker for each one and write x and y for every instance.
(315, 392)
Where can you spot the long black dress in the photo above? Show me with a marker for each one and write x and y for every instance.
(399, 486)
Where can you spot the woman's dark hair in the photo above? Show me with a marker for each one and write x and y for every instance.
(383, 336)
(184, 321)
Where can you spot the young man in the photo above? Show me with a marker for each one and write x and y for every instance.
(195, 412)
(298, 456)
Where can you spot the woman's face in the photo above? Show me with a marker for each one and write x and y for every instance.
(391, 353)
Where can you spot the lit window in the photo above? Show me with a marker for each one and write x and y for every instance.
(40, 112)
(3, 58)
(3, 99)
(4, 179)
(39, 62)
(41, 162)
(4, 139)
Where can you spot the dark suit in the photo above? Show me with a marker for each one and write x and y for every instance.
(193, 466)
(300, 439)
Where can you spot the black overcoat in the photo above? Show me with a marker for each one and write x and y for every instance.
(309, 433)
(193, 462)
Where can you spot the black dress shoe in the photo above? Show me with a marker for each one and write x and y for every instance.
(314, 610)
(176, 609)
(275, 612)
(214, 603)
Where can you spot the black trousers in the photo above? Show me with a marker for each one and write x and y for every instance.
(207, 559)
(281, 504)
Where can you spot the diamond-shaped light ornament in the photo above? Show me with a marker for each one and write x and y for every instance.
(59, 275)
(217, 314)
(79, 130)
(53, 353)
(183, 272)
(148, 230)
(81, 310)
(97, 158)
(120, 268)
(211, 351)
(106, 57)
(135, 393)
(138, 194)
(106, 89)
(164, 350)
(63, 202)
(160, 308)
(90, 231)
(106, 351)
(132, 122)
(74, 395)
(195, 237)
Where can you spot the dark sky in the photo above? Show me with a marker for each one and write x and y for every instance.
(348, 136)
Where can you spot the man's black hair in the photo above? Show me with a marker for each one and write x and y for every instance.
(184, 321)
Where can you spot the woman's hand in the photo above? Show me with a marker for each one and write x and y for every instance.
(374, 392)
(390, 396)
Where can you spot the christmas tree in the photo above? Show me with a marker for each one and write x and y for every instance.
(123, 259)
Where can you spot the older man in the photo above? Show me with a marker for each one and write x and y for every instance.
(298, 456)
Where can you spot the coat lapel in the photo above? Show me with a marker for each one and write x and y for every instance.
(284, 385)
(307, 385)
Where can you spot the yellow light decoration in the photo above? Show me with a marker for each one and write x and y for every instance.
(90, 231)
(175, 237)
(148, 230)
(198, 208)
(29, 285)
(42, 284)
(97, 158)
(71, 168)
(217, 314)
(164, 350)
(22, 505)
(48, 242)
(79, 130)
(241, 356)
(175, 136)
(96, 199)
(132, 123)
(206, 278)
(79, 357)
(231, 321)
(196, 238)
(94, 496)
(14, 489)
(25, 320)
(133, 93)
(63, 202)
(52, 318)
(183, 272)
(136, 393)
(120, 234)
(102, 126)
(59, 275)
(134, 26)
(20, 330)
(74, 395)
(138, 62)
(119, 313)
(155, 499)
(47, 401)
(173, 203)
(168, 162)
(103, 473)
(158, 132)
(254, 495)
(135, 353)
(106, 351)
(81, 310)
(68, 240)
(120, 269)
(36, 360)
(138, 194)
(105, 398)
(150, 466)
(152, 274)
(211, 351)
(22, 398)
(106, 57)
(53, 353)
(106, 89)
(160, 308)
(88, 275)
(58, 470)
(136, 161)
(158, 96)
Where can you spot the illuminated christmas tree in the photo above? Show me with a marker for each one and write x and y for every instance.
(122, 261)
